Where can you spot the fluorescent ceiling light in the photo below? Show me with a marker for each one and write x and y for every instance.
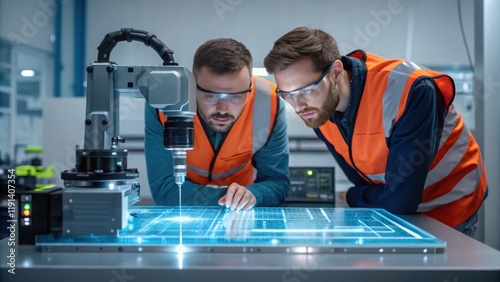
(28, 73)
(259, 72)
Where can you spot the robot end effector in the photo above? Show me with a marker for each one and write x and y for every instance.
(179, 110)
(179, 127)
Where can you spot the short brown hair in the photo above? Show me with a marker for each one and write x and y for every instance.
(222, 56)
(300, 43)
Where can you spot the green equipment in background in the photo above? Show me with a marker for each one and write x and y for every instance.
(33, 176)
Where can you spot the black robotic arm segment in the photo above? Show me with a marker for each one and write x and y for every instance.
(129, 34)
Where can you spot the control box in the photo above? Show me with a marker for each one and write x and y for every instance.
(39, 212)
(311, 185)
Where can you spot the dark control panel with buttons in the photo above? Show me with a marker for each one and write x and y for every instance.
(311, 185)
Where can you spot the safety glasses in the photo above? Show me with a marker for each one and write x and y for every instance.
(305, 93)
(213, 98)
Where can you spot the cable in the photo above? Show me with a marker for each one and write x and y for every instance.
(463, 35)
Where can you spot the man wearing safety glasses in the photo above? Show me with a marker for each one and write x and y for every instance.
(240, 155)
(390, 125)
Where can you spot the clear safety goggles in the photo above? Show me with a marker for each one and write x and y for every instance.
(213, 98)
(305, 93)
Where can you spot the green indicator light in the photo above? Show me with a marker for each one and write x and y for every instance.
(310, 172)
(27, 206)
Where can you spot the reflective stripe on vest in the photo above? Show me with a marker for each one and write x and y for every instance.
(466, 186)
(393, 93)
(261, 117)
(456, 152)
(224, 174)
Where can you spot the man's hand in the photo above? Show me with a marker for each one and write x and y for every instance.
(238, 197)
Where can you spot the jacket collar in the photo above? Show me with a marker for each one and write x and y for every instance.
(357, 68)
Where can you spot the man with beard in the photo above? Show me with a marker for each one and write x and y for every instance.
(389, 124)
(240, 155)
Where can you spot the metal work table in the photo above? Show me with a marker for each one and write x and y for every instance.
(464, 259)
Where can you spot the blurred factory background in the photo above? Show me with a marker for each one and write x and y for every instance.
(45, 46)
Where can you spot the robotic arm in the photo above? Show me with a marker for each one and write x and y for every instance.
(170, 88)
(100, 164)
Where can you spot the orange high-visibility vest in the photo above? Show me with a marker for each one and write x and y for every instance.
(250, 132)
(456, 182)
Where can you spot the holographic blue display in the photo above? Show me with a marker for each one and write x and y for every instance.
(279, 229)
